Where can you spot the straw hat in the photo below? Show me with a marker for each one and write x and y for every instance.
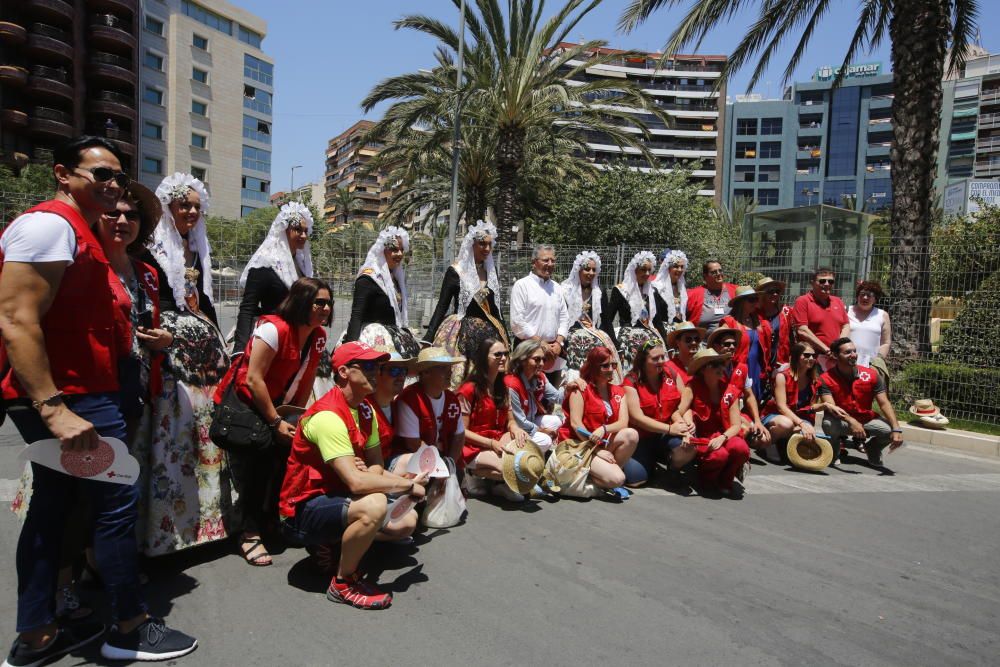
(712, 337)
(681, 328)
(765, 283)
(928, 414)
(523, 468)
(434, 356)
(811, 456)
(742, 292)
(706, 356)
(396, 359)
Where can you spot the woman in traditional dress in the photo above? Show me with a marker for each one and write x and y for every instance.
(471, 288)
(633, 302)
(589, 314)
(671, 288)
(379, 314)
(282, 258)
(187, 477)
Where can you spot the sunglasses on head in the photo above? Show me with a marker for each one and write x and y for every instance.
(105, 174)
(650, 344)
(131, 216)
(395, 371)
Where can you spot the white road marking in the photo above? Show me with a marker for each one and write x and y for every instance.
(864, 483)
(8, 489)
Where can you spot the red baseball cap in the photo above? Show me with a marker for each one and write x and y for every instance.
(355, 351)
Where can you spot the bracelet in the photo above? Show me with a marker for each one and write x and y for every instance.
(896, 430)
(51, 400)
(274, 423)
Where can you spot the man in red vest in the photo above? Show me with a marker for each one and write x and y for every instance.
(335, 485)
(708, 304)
(60, 355)
(427, 411)
(848, 393)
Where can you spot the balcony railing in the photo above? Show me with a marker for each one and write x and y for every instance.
(46, 30)
(988, 145)
(117, 98)
(111, 59)
(45, 113)
(109, 21)
(54, 73)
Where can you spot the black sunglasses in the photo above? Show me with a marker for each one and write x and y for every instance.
(501, 355)
(131, 216)
(322, 303)
(690, 339)
(825, 281)
(395, 371)
(808, 355)
(366, 367)
(105, 174)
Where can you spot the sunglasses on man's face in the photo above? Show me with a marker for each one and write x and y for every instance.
(394, 371)
(825, 281)
(727, 343)
(690, 340)
(366, 367)
(105, 174)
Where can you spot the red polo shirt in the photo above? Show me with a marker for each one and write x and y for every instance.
(824, 321)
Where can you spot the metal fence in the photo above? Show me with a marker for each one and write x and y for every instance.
(960, 372)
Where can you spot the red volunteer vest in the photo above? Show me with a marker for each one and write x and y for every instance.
(792, 398)
(385, 429)
(711, 419)
(696, 301)
(855, 395)
(82, 328)
(743, 349)
(738, 377)
(676, 371)
(284, 367)
(784, 338)
(514, 381)
(595, 414)
(415, 398)
(660, 405)
(307, 475)
(484, 419)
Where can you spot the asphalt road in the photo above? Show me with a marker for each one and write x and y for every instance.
(847, 568)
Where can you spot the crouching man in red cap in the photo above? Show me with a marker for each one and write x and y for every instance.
(335, 486)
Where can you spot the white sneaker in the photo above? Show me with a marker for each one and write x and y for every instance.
(501, 490)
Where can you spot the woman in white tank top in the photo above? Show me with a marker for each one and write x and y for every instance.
(870, 329)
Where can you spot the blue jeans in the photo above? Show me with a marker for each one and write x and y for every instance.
(319, 520)
(114, 513)
(642, 465)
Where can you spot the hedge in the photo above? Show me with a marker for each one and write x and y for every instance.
(958, 389)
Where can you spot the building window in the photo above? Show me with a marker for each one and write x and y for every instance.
(248, 36)
(199, 108)
(200, 173)
(838, 193)
(806, 193)
(152, 130)
(256, 129)
(199, 75)
(152, 95)
(154, 25)
(153, 61)
(770, 126)
(247, 210)
(842, 146)
(257, 100)
(745, 173)
(745, 150)
(746, 126)
(200, 42)
(767, 197)
(743, 194)
(255, 189)
(769, 173)
(199, 140)
(207, 16)
(152, 165)
(256, 159)
(258, 70)
(770, 149)
(878, 193)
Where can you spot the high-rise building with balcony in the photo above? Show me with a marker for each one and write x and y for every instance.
(684, 88)
(207, 92)
(817, 145)
(970, 121)
(68, 68)
(346, 154)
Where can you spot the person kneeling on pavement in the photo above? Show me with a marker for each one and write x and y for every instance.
(848, 392)
(335, 486)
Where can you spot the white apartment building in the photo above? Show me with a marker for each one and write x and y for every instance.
(206, 91)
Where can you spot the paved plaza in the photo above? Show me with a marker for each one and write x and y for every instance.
(852, 567)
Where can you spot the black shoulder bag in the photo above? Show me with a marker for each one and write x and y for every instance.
(238, 427)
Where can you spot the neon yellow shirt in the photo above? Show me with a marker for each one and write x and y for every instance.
(329, 433)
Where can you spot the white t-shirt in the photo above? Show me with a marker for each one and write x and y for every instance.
(408, 426)
(39, 237)
(268, 333)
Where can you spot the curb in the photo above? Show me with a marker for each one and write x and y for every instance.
(964, 441)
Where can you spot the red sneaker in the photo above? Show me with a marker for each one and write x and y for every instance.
(353, 590)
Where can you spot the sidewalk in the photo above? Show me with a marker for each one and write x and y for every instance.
(965, 441)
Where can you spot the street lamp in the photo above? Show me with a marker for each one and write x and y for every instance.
(449, 249)
(291, 182)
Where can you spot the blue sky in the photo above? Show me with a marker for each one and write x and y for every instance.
(329, 53)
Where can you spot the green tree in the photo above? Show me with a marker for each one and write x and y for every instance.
(920, 32)
(515, 92)
(345, 203)
(20, 191)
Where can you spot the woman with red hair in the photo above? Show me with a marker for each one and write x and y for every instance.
(600, 414)
(714, 406)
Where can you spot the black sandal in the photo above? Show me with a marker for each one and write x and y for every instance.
(255, 560)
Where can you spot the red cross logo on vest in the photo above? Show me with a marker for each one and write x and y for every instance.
(150, 280)
(864, 376)
(453, 411)
(320, 343)
(618, 398)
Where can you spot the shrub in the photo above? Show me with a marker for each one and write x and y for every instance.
(958, 389)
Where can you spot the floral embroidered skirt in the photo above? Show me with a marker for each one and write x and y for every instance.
(186, 493)
(579, 343)
(462, 336)
(630, 339)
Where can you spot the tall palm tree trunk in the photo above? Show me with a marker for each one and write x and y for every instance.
(510, 156)
(918, 29)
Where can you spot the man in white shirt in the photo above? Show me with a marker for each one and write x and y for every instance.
(538, 310)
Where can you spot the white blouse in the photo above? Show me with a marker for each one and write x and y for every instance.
(866, 334)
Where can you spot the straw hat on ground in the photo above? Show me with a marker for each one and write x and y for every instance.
(434, 356)
(523, 468)
(706, 356)
(928, 414)
(811, 456)
(714, 336)
(683, 328)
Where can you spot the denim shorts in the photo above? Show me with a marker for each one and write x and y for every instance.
(767, 419)
(319, 520)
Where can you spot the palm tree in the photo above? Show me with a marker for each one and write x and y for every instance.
(920, 32)
(345, 203)
(515, 91)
